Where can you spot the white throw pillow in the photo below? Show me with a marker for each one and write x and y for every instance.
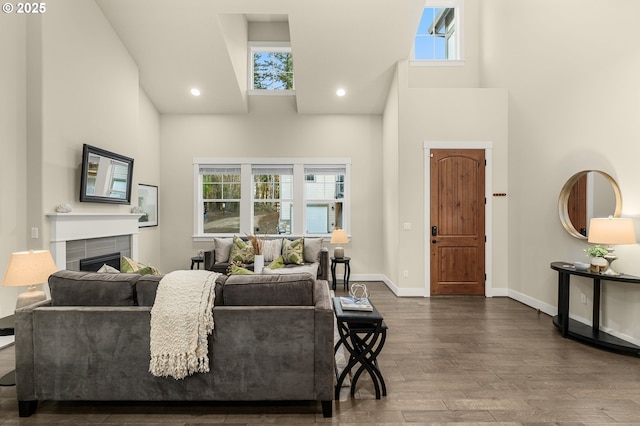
(272, 249)
(223, 248)
(107, 269)
(312, 249)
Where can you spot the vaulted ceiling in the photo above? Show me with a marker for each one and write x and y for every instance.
(180, 44)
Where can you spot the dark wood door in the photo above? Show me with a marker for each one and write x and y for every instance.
(457, 222)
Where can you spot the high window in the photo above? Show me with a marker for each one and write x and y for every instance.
(439, 34)
(272, 196)
(271, 67)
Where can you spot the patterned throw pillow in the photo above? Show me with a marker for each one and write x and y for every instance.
(131, 266)
(241, 251)
(293, 251)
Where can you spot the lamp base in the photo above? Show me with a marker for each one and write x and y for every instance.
(609, 271)
(338, 253)
(30, 297)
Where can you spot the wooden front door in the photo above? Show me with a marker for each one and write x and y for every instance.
(457, 222)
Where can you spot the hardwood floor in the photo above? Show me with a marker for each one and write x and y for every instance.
(449, 360)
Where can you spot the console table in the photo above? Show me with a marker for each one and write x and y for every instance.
(582, 332)
(363, 334)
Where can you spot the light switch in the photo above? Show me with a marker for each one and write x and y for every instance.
(34, 232)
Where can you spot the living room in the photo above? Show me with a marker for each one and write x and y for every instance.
(550, 93)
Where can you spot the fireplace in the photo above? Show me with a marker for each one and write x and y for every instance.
(92, 264)
(76, 236)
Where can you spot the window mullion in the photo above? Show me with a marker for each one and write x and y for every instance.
(299, 210)
(246, 201)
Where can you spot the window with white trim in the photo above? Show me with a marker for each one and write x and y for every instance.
(270, 196)
(439, 34)
(272, 199)
(221, 190)
(270, 68)
(324, 198)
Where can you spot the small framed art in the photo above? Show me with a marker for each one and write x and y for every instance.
(148, 202)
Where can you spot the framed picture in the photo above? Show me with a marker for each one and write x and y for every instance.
(148, 202)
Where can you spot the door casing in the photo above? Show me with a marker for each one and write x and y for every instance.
(428, 146)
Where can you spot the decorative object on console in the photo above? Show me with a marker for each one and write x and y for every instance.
(29, 268)
(339, 236)
(611, 231)
(598, 263)
(359, 291)
(148, 204)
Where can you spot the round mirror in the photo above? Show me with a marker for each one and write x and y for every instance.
(588, 194)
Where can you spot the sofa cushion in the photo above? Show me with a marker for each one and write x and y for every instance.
(241, 251)
(147, 286)
(73, 288)
(269, 290)
(312, 249)
(222, 247)
(307, 268)
(293, 251)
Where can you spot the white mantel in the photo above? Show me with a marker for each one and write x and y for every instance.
(82, 226)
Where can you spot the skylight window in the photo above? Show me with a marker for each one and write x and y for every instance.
(439, 34)
(271, 68)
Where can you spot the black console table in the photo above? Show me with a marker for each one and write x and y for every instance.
(582, 332)
(362, 334)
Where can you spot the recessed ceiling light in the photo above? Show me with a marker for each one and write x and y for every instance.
(195, 92)
(341, 92)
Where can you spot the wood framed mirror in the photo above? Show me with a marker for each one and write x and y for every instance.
(588, 194)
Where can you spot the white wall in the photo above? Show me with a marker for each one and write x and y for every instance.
(13, 142)
(271, 129)
(66, 80)
(574, 100)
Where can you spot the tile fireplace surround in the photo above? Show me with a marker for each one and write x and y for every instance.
(73, 227)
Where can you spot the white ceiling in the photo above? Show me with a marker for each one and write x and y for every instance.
(180, 44)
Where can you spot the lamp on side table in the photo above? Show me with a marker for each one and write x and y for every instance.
(27, 268)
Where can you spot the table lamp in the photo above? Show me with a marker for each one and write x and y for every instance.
(611, 231)
(29, 268)
(339, 236)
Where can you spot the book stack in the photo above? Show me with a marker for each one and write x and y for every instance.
(353, 304)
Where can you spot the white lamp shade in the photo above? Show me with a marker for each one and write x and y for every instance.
(28, 268)
(339, 236)
(612, 231)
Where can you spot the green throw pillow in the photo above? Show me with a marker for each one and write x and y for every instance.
(277, 264)
(241, 251)
(293, 251)
(237, 270)
(133, 267)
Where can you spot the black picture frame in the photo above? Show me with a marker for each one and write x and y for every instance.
(106, 177)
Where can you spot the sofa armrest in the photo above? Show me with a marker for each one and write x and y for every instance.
(324, 324)
(323, 268)
(24, 351)
(209, 259)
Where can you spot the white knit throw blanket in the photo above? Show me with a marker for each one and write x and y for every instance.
(181, 320)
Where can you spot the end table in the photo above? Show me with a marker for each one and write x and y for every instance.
(363, 334)
(347, 270)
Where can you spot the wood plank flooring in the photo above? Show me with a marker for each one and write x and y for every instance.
(449, 360)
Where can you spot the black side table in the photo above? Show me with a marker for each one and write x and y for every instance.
(196, 260)
(363, 334)
(347, 270)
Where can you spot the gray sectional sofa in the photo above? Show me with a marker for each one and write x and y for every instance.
(272, 341)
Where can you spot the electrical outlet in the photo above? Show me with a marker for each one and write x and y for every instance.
(405, 274)
(583, 299)
(34, 232)
(407, 226)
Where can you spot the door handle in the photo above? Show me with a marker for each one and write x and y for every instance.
(434, 231)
